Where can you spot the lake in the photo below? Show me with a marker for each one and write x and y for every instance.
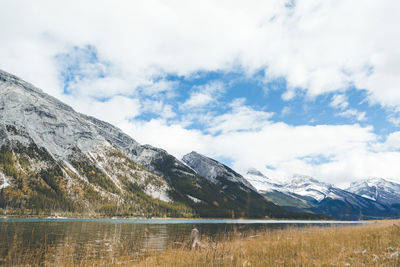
(78, 241)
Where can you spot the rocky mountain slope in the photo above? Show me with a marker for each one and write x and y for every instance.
(379, 190)
(55, 159)
(215, 172)
(304, 193)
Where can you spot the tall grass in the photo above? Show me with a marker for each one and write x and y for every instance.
(374, 244)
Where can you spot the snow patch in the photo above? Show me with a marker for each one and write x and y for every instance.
(195, 200)
(5, 183)
(369, 197)
(158, 193)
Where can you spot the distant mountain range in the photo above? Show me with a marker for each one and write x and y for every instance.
(366, 199)
(54, 159)
(379, 190)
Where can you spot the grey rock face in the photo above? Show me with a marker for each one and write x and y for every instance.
(213, 170)
(30, 116)
(308, 194)
(378, 189)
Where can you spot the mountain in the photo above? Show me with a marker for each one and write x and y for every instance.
(276, 192)
(260, 181)
(54, 159)
(378, 189)
(215, 172)
(304, 193)
(236, 186)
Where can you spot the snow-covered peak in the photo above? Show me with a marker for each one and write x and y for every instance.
(376, 181)
(304, 180)
(261, 182)
(378, 189)
(308, 186)
(212, 169)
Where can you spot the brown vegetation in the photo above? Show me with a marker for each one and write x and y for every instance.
(372, 244)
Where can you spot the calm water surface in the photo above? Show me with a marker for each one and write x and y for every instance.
(28, 240)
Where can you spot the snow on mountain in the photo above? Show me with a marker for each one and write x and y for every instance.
(378, 189)
(298, 184)
(310, 187)
(261, 182)
(307, 186)
(4, 181)
(213, 170)
(235, 186)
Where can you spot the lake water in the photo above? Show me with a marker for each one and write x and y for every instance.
(78, 241)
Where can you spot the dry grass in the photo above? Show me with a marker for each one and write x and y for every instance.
(374, 244)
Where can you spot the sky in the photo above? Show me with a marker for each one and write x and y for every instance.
(287, 87)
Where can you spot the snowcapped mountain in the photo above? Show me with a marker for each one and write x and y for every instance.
(378, 189)
(260, 181)
(308, 194)
(301, 185)
(309, 187)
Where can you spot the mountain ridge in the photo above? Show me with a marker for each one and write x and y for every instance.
(305, 193)
(378, 189)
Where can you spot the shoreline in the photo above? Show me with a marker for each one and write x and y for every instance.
(157, 220)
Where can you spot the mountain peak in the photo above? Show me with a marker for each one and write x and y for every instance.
(301, 179)
(308, 186)
(253, 171)
(213, 170)
(377, 189)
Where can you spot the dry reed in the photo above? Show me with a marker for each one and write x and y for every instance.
(372, 244)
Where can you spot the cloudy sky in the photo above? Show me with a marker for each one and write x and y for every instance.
(301, 86)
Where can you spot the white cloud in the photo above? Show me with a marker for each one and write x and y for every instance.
(391, 144)
(172, 137)
(240, 118)
(198, 100)
(114, 110)
(159, 108)
(204, 95)
(161, 87)
(285, 111)
(339, 101)
(353, 113)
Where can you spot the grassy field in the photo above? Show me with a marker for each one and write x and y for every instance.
(372, 244)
